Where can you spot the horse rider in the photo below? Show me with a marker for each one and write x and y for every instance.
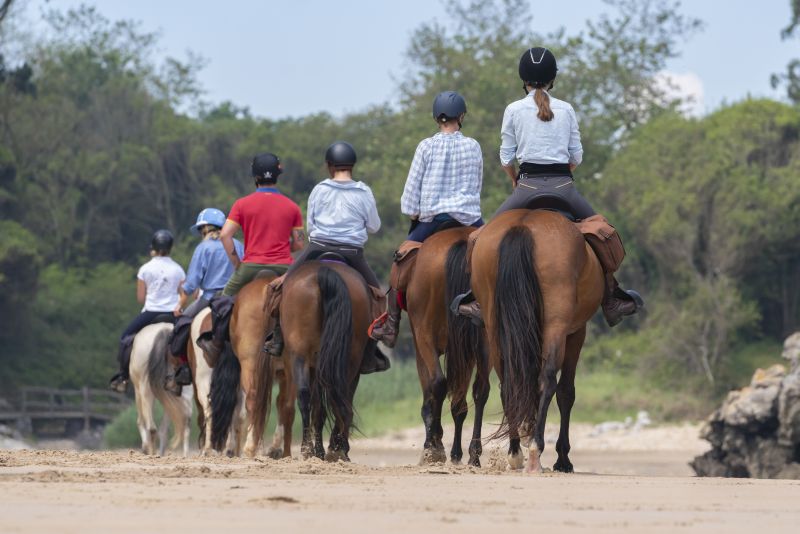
(341, 212)
(542, 133)
(272, 226)
(443, 188)
(157, 286)
(209, 271)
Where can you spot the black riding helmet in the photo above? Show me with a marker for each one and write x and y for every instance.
(340, 154)
(266, 166)
(448, 105)
(162, 241)
(537, 66)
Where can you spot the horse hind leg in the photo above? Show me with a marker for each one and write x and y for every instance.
(458, 409)
(434, 390)
(565, 397)
(553, 354)
(163, 433)
(480, 394)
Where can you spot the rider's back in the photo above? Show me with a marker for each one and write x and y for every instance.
(267, 219)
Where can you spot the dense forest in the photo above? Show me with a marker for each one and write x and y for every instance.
(100, 144)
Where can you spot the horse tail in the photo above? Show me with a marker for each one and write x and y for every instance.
(463, 337)
(224, 395)
(263, 387)
(518, 328)
(335, 342)
(156, 375)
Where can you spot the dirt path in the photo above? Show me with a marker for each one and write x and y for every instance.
(382, 491)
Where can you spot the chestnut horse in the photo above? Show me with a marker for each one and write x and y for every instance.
(538, 283)
(241, 387)
(325, 311)
(439, 275)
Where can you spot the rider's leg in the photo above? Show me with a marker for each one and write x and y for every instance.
(120, 380)
(617, 303)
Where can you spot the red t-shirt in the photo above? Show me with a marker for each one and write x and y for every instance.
(267, 219)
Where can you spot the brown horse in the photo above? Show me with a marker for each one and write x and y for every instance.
(538, 283)
(241, 387)
(439, 275)
(325, 312)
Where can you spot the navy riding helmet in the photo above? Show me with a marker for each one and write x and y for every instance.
(162, 241)
(448, 105)
(341, 154)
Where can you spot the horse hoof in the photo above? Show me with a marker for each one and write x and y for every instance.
(433, 456)
(474, 461)
(336, 456)
(563, 467)
(276, 453)
(230, 454)
(455, 461)
(515, 461)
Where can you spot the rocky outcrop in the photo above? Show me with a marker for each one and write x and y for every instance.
(756, 431)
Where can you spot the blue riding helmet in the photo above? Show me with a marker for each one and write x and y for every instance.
(211, 216)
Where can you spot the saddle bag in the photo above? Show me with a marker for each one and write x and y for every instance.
(405, 257)
(604, 240)
(180, 336)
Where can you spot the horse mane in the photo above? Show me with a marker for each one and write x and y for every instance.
(518, 328)
(463, 338)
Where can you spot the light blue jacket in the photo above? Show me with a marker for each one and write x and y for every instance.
(210, 267)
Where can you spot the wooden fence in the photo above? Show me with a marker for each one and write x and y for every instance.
(76, 408)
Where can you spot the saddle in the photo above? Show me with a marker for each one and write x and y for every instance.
(405, 257)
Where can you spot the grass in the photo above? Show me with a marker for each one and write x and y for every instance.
(611, 389)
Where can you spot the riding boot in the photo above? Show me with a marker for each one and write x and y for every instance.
(466, 306)
(618, 303)
(119, 382)
(374, 361)
(385, 327)
(274, 344)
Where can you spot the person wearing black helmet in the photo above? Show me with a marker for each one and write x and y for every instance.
(157, 286)
(542, 133)
(341, 213)
(443, 187)
(271, 223)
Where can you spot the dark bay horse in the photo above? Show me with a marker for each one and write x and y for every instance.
(538, 283)
(241, 387)
(325, 311)
(439, 275)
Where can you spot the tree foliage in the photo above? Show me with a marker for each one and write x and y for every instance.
(100, 143)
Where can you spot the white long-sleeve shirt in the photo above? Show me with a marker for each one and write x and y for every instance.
(532, 140)
(342, 212)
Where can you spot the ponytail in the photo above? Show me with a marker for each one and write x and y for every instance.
(542, 100)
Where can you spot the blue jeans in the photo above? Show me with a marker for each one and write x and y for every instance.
(420, 231)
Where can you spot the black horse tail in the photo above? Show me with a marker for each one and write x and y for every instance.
(331, 397)
(463, 337)
(518, 328)
(224, 394)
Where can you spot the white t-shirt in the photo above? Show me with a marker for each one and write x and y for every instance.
(162, 276)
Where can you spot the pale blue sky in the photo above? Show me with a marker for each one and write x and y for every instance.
(288, 58)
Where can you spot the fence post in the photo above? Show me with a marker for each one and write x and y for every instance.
(86, 414)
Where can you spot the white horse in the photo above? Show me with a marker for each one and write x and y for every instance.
(148, 371)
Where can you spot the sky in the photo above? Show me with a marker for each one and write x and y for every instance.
(288, 58)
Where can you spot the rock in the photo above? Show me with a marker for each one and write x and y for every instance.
(791, 350)
(768, 458)
(708, 465)
(790, 471)
(757, 405)
(789, 410)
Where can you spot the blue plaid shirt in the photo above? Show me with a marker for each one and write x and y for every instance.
(445, 177)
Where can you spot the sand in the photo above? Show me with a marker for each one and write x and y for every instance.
(631, 481)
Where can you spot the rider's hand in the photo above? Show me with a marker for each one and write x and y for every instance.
(177, 311)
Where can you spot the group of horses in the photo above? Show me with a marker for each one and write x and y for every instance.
(535, 278)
